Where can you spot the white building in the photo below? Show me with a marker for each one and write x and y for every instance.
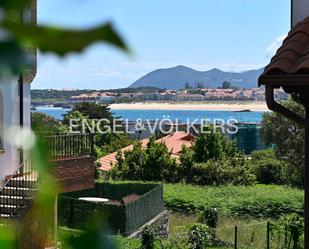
(15, 109)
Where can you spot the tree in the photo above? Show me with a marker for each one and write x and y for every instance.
(93, 113)
(151, 164)
(268, 168)
(200, 85)
(226, 85)
(213, 145)
(288, 138)
(93, 110)
(187, 86)
(43, 123)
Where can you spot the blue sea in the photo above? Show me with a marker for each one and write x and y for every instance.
(181, 115)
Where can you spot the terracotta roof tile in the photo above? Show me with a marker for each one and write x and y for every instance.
(292, 58)
(173, 142)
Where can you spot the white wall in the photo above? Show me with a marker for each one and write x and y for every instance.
(27, 105)
(9, 160)
(300, 10)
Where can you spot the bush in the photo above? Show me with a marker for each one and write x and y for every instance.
(148, 239)
(151, 164)
(291, 228)
(210, 217)
(213, 146)
(214, 160)
(288, 136)
(268, 169)
(225, 171)
(43, 123)
(200, 236)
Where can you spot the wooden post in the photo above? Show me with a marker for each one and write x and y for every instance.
(56, 220)
(306, 180)
(268, 235)
(235, 242)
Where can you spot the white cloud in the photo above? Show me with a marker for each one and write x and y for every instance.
(273, 47)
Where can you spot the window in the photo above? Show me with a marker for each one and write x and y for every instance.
(1, 122)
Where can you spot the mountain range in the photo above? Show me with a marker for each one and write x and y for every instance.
(177, 77)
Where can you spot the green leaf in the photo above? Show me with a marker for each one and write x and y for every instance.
(63, 41)
(14, 4)
(12, 57)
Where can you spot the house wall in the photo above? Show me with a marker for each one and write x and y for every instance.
(9, 159)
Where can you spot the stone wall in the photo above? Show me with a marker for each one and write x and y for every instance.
(159, 225)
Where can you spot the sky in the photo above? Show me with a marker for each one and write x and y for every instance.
(232, 35)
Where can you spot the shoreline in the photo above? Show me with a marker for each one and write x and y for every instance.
(194, 106)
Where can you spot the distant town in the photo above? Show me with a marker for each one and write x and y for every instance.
(68, 97)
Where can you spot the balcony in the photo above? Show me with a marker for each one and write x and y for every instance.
(72, 157)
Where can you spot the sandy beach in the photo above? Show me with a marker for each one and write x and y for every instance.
(210, 106)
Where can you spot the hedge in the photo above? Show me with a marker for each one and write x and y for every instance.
(118, 218)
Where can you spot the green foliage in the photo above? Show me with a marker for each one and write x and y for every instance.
(62, 41)
(226, 85)
(200, 236)
(148, 239)
(210, 217)
(268, 169)
(187, 86)
(289, 140)
(92, 110)
(105, 143)
(225, 171)
(255, 201)
(214, 160)
(291, 227)
(213, 145)
(186, 159)
(60, 95)
(43, 123)
(117, 217)
(151, 164)
(46, 38)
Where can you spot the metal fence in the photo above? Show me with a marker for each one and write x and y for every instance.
(69, 145)
(251, 236)
(118, 217)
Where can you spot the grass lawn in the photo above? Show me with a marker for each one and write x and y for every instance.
(247, 207)
(260, 201)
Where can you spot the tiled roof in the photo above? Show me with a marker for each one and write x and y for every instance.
(110, 159)
(173, 142)
(292, 58)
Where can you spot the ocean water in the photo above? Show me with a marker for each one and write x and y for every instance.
(181, 115)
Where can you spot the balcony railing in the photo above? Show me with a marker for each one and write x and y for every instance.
(63, 146)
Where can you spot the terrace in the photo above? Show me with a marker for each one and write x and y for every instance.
(72, 157)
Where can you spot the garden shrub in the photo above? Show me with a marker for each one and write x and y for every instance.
(213, 146)
(148, 239)
(210, 217)
(291, 228)
(200, 236)
(151, 164)
(269, 171)
(268, 168)
(225, 171)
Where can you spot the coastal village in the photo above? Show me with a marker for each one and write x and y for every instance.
(73, 182)
(203, 94)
